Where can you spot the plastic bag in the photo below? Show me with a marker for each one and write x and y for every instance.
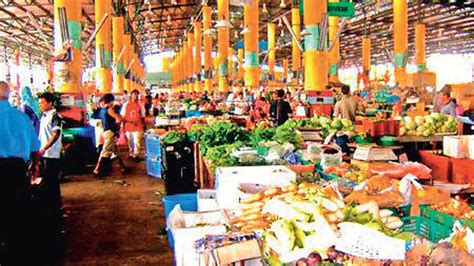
(406, 187)
(398, 170)
(291, 158)
(330, 156)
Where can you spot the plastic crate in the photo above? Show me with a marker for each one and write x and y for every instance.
(328, 177)
(153, 166)
(187, 202)
(442, 218)
(262, 150)
(194, 113)
(153, 145)
(426, 228)
(374, 128)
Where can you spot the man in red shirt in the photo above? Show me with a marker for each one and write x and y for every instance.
(133, 114)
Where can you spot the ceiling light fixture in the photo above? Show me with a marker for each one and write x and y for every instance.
(264, 9)
(282, 4)
(280, 24)
(282, 34)
(304, 32)
(223, 23)
(208, 32)
(236, 35)
(245, 31)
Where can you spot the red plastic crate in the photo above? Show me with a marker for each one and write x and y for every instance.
(440, 165)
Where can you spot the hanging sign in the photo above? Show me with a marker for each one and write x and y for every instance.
(341, 9)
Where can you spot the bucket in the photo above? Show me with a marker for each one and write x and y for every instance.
(188, 202)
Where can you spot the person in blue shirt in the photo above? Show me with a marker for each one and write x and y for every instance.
(448, 107)
(29, 105)
(18, 145)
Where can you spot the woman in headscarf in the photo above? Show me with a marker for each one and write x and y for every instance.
(29, 105)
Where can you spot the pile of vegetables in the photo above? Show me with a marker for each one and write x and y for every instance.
(220, 156)
(428, 125)
(174, 137)
(261, 134)
(382, 94)
(220, 133)
(288, 134)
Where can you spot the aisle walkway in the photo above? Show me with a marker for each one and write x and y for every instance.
(115, 221)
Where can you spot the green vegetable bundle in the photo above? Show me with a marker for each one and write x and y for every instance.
(265, 134)
(220, 133)
(287, 134)
(173, 137)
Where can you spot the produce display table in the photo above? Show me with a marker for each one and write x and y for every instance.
(435, 138)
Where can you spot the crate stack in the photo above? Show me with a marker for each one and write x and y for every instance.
(153, 155)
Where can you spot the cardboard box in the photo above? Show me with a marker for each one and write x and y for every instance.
(457, 146)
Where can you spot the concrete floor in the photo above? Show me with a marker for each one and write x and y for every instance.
(115, 220)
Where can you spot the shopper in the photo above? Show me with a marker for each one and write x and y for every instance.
(50, 167)
(347, 106)
(280, 110)
(29, 105)
(133, 114)
(110, 120)
(448, 107)
(18, 144)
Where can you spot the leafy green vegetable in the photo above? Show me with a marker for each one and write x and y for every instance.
(196, 131)
(258, 135)
(220, 133)
(287, 134)
(173, 137)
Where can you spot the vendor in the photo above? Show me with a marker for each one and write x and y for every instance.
(347, 106)
(280, 110)
(448, 107)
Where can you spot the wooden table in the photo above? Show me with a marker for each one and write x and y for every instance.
(434, 138)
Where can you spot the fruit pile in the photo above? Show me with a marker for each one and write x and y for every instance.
(428, 125)
(348, 171)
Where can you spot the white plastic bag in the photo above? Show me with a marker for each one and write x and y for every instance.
(406, 186)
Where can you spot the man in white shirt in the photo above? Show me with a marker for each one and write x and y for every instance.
(50, 153)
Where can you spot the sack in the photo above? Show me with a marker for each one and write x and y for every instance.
(331, 155)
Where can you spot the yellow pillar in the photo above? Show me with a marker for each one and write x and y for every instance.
(420, 46)
(118, 31)
(223, 41)
(251, 21)
(190, 59)
(296, 53)
(127, 58)
(197, 55)
(316, 62)
(400, 39)
(285, 70)
(103, 46)
(366, 45)
(271, 55)
(231, 64)
(68, 75)
(334, 53)
(206, 14)
(240, 71)
(215, 61)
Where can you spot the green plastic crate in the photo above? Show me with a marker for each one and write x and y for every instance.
(426, 228)
(442, 218)
(262, 150)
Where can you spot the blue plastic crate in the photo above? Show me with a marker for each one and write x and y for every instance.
(153, 145)
(153, 166)
(194, 113)
(187, 202)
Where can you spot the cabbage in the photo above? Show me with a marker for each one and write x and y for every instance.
(407, 119)
(336, 124)
(346, 122)
(419, 120)
(411, 125)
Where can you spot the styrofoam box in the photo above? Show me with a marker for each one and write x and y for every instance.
(471, 148)
(206, 200)
(228, 180)
(457, 146)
